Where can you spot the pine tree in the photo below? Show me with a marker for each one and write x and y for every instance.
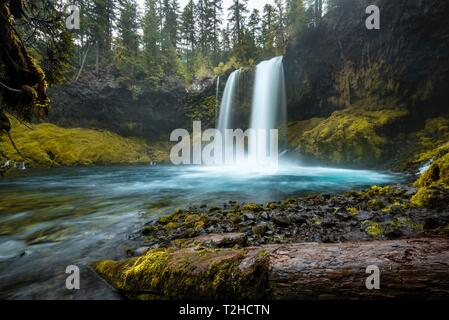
(170, 13)
(100, 15)
(226, 43)
(281, 27)
(127, 44)
(187, 32)
(187, 27)
(237, 15)
(268, 30)
(152, 58)
(296, 18)
(201, 17)
(169, 33)
(254, 27)
(216, 14)
(316, 9)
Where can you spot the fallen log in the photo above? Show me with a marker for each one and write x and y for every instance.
(417, 268)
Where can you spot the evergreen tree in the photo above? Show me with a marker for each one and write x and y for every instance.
(187, 27)
(188, 36)
(216, 10)
(254, 27)
(100, 15)
(268, 30)
(203, 25)
(127, 44)
(296, 18)
(281, 27)
(169, 33)
(170, 13)
(152, 58)
(237, 16)
(226, 42)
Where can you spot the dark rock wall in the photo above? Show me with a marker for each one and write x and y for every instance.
(101, 102)
(412, 45)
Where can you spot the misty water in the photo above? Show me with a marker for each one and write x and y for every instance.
(50, 219)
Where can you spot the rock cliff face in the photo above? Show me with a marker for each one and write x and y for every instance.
(375, 89)
(103, 102)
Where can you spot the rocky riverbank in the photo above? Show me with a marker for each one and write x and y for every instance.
(230, 251)
(378, 213)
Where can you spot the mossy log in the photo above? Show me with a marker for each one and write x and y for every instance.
(416, 268)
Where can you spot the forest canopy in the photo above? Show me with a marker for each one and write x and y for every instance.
(157, 42)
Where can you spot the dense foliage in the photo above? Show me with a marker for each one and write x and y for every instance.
(162, 41)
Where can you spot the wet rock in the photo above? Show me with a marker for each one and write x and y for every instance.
(281, 221)
(260, 229)
(248, 216)
(327, 223)
(140, 251)
(394, 234)
(214, 240)
(364, 215)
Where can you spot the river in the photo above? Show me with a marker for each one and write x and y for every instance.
(50, 219)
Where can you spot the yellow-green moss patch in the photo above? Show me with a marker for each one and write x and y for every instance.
(351, 136)
(46, 145)
(188, 273)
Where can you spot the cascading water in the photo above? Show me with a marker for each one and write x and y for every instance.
(217, 92)
(268, 112)
(268, 108)
(227, 106)
(269, 99)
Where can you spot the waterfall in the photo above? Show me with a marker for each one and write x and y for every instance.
(268, 112)
(217, 98)
(269, 100)
(227, 106)
(269, 104)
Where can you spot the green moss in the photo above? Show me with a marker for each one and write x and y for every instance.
(374, 229)
(295, 130)
(188, 273)
(433, 184)
(168, 218)
(272, 205)
(172, 226)
(351, 136)
(197, 221)
(252, 207)
(49, 145)
(376, 204)
(259, 230)
(353, 211)
(148, 230)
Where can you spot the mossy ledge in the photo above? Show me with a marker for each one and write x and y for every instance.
(433, 184)
(47, 145)
(192, 273)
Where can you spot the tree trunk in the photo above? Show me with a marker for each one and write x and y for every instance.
(97, 56)
(408, 269)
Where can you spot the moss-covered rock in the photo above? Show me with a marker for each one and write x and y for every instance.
(351, 137)
(46, 145)
(433, 184)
